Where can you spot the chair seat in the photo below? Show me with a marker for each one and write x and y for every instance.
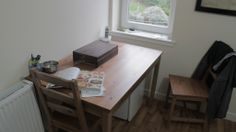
(184, 87)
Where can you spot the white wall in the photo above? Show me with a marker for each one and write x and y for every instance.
(232, 108)
(51, 28)
(194, 32)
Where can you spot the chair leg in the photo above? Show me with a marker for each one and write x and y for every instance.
(171, 111)
(167, 97)
(55, 129)
(185, 104)
(199, 106)
(205, 125)
(50, 128)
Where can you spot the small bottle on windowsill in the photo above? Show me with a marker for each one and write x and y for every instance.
(107, 37)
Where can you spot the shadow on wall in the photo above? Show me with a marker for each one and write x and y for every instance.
(162, 90)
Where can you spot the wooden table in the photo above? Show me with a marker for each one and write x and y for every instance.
(123, 73)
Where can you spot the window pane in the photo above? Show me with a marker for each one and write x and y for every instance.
(155, 12)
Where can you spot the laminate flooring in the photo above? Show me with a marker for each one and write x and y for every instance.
(151, 118)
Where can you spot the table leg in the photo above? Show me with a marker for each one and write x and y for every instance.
(167, 96)
(106, 121)
(154, 79)
(205, 125)
(170, 116)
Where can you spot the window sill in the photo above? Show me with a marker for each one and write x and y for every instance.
(144, 36)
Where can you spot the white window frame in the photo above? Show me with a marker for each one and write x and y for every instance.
(125, 23)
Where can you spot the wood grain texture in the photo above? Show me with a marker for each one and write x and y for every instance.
(95, 53)
(191, 90)
(151, 118)
(62, 111)
(122, 73)
(187, 87)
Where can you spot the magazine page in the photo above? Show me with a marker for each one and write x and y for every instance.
(91, 83)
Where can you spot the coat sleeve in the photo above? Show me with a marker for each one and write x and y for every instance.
(216, 52)
(221, 91)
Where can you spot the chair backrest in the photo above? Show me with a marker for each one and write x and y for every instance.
(209, 77)
(52, 100)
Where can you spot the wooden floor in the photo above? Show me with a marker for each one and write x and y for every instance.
(150, 119)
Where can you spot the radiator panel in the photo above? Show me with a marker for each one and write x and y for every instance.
(19, 112)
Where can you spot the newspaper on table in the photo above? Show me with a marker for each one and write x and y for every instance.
(91, 83)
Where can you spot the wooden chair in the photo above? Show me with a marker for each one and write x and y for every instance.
(188, 90)
(63, 111)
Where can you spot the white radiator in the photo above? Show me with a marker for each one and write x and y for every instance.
(19, 111)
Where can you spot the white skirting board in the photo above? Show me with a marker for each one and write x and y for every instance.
(231, 115)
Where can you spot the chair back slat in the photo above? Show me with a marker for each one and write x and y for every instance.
(209, 77)
(62, 109)
(58, 96)
(53, 80)
(53, 101)
(214, 75)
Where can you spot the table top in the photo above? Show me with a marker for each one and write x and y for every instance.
(123, 73)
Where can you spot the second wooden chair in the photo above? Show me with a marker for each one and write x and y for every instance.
(188, 90)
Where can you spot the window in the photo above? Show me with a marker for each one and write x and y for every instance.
(148, 15)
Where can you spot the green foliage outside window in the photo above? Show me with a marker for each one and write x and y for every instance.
(139, 5)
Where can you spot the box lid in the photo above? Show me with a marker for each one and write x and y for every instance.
(96, 49)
